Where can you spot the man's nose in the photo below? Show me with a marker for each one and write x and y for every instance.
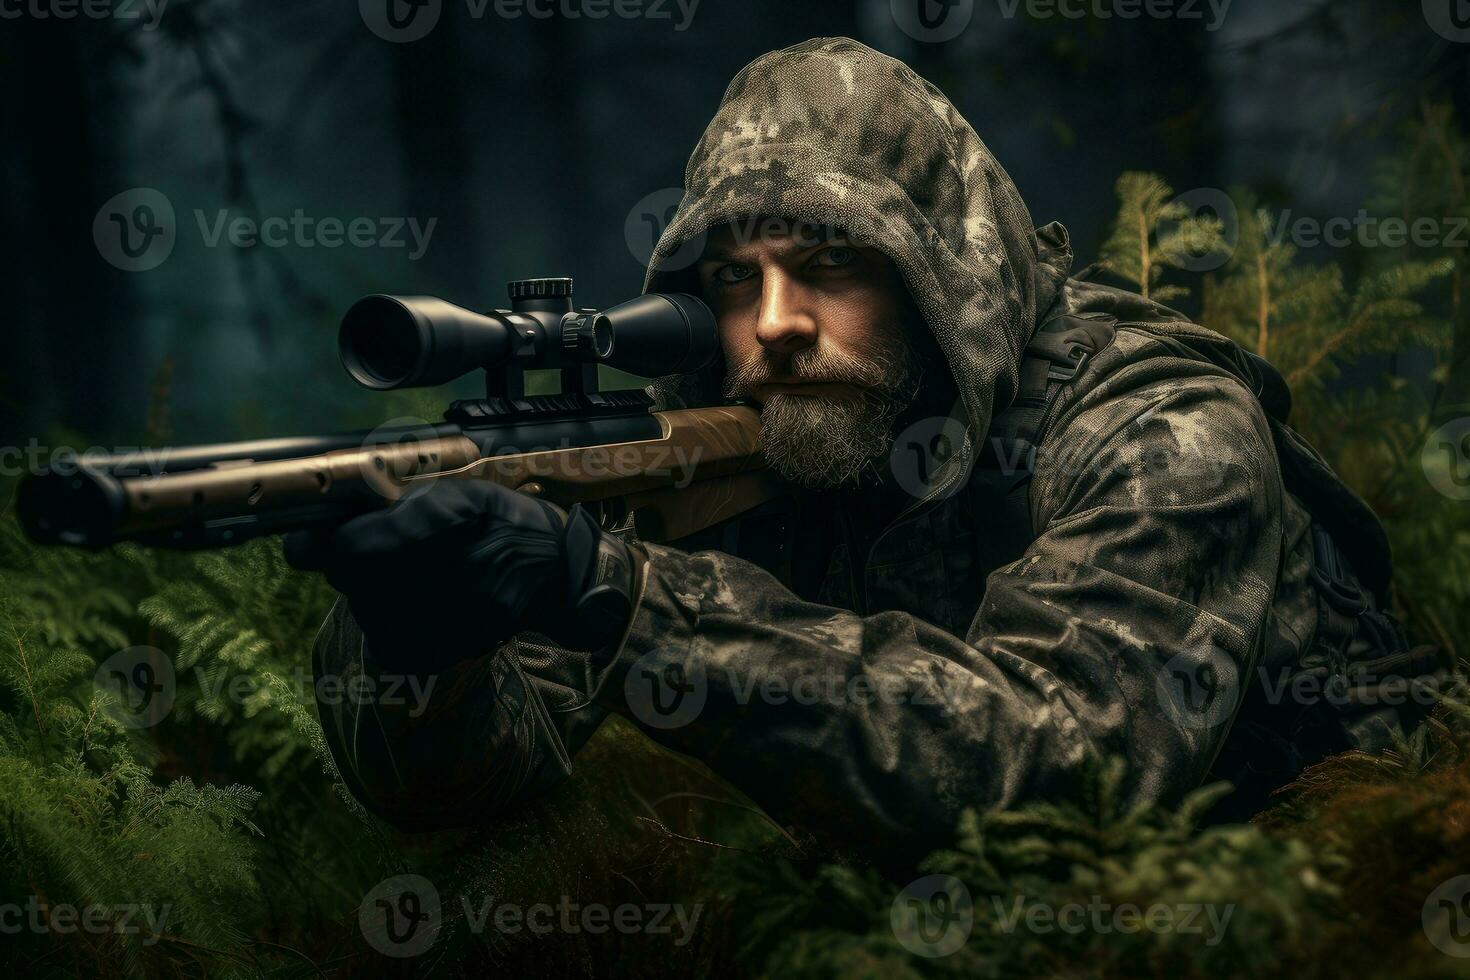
(786, 325)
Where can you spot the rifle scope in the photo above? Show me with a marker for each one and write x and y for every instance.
(417, 341)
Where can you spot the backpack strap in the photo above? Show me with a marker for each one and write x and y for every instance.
(1053, 358)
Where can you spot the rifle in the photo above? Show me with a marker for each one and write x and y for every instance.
(663, 475)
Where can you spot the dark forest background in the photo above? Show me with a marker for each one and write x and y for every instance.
(531, 141)
(555, 146)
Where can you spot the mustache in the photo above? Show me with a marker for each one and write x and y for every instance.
(889, 370)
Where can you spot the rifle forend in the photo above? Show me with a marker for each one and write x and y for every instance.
(665, 474)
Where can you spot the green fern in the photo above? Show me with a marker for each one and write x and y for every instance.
(241, 617)
(86, 822)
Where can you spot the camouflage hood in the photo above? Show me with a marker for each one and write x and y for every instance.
(833, 133)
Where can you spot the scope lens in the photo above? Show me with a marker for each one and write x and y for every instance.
(388, 351)
(380, 340)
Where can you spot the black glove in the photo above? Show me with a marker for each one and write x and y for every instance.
(448, 574)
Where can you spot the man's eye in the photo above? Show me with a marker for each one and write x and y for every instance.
(734, 272)
(836, 255)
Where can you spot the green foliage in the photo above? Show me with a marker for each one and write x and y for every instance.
(165, 870)
(1042, 876)
(98, 813)
(1305, 320)
(1154, 232)
(239, 618)
(1430, 178)
(66, 603)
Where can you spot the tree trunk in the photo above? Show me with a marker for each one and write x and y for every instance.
(66, 353)
(435, 156)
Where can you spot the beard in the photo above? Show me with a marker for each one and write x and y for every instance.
(825, 442)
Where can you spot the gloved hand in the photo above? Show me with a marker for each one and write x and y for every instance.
(446, 575)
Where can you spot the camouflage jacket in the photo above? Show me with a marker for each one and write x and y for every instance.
(941, 662)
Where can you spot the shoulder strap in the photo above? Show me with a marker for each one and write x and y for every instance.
(1054, 357)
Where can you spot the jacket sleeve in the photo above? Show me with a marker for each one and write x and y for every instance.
(429, 751)
(1124, 629)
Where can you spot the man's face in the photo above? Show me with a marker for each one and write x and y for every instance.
(814, 330)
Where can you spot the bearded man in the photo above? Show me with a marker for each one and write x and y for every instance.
(1036, 521)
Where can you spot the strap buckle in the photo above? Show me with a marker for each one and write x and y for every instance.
(1077, 355)
(1064, 357)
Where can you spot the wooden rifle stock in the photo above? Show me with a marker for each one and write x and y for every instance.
(663, 474)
